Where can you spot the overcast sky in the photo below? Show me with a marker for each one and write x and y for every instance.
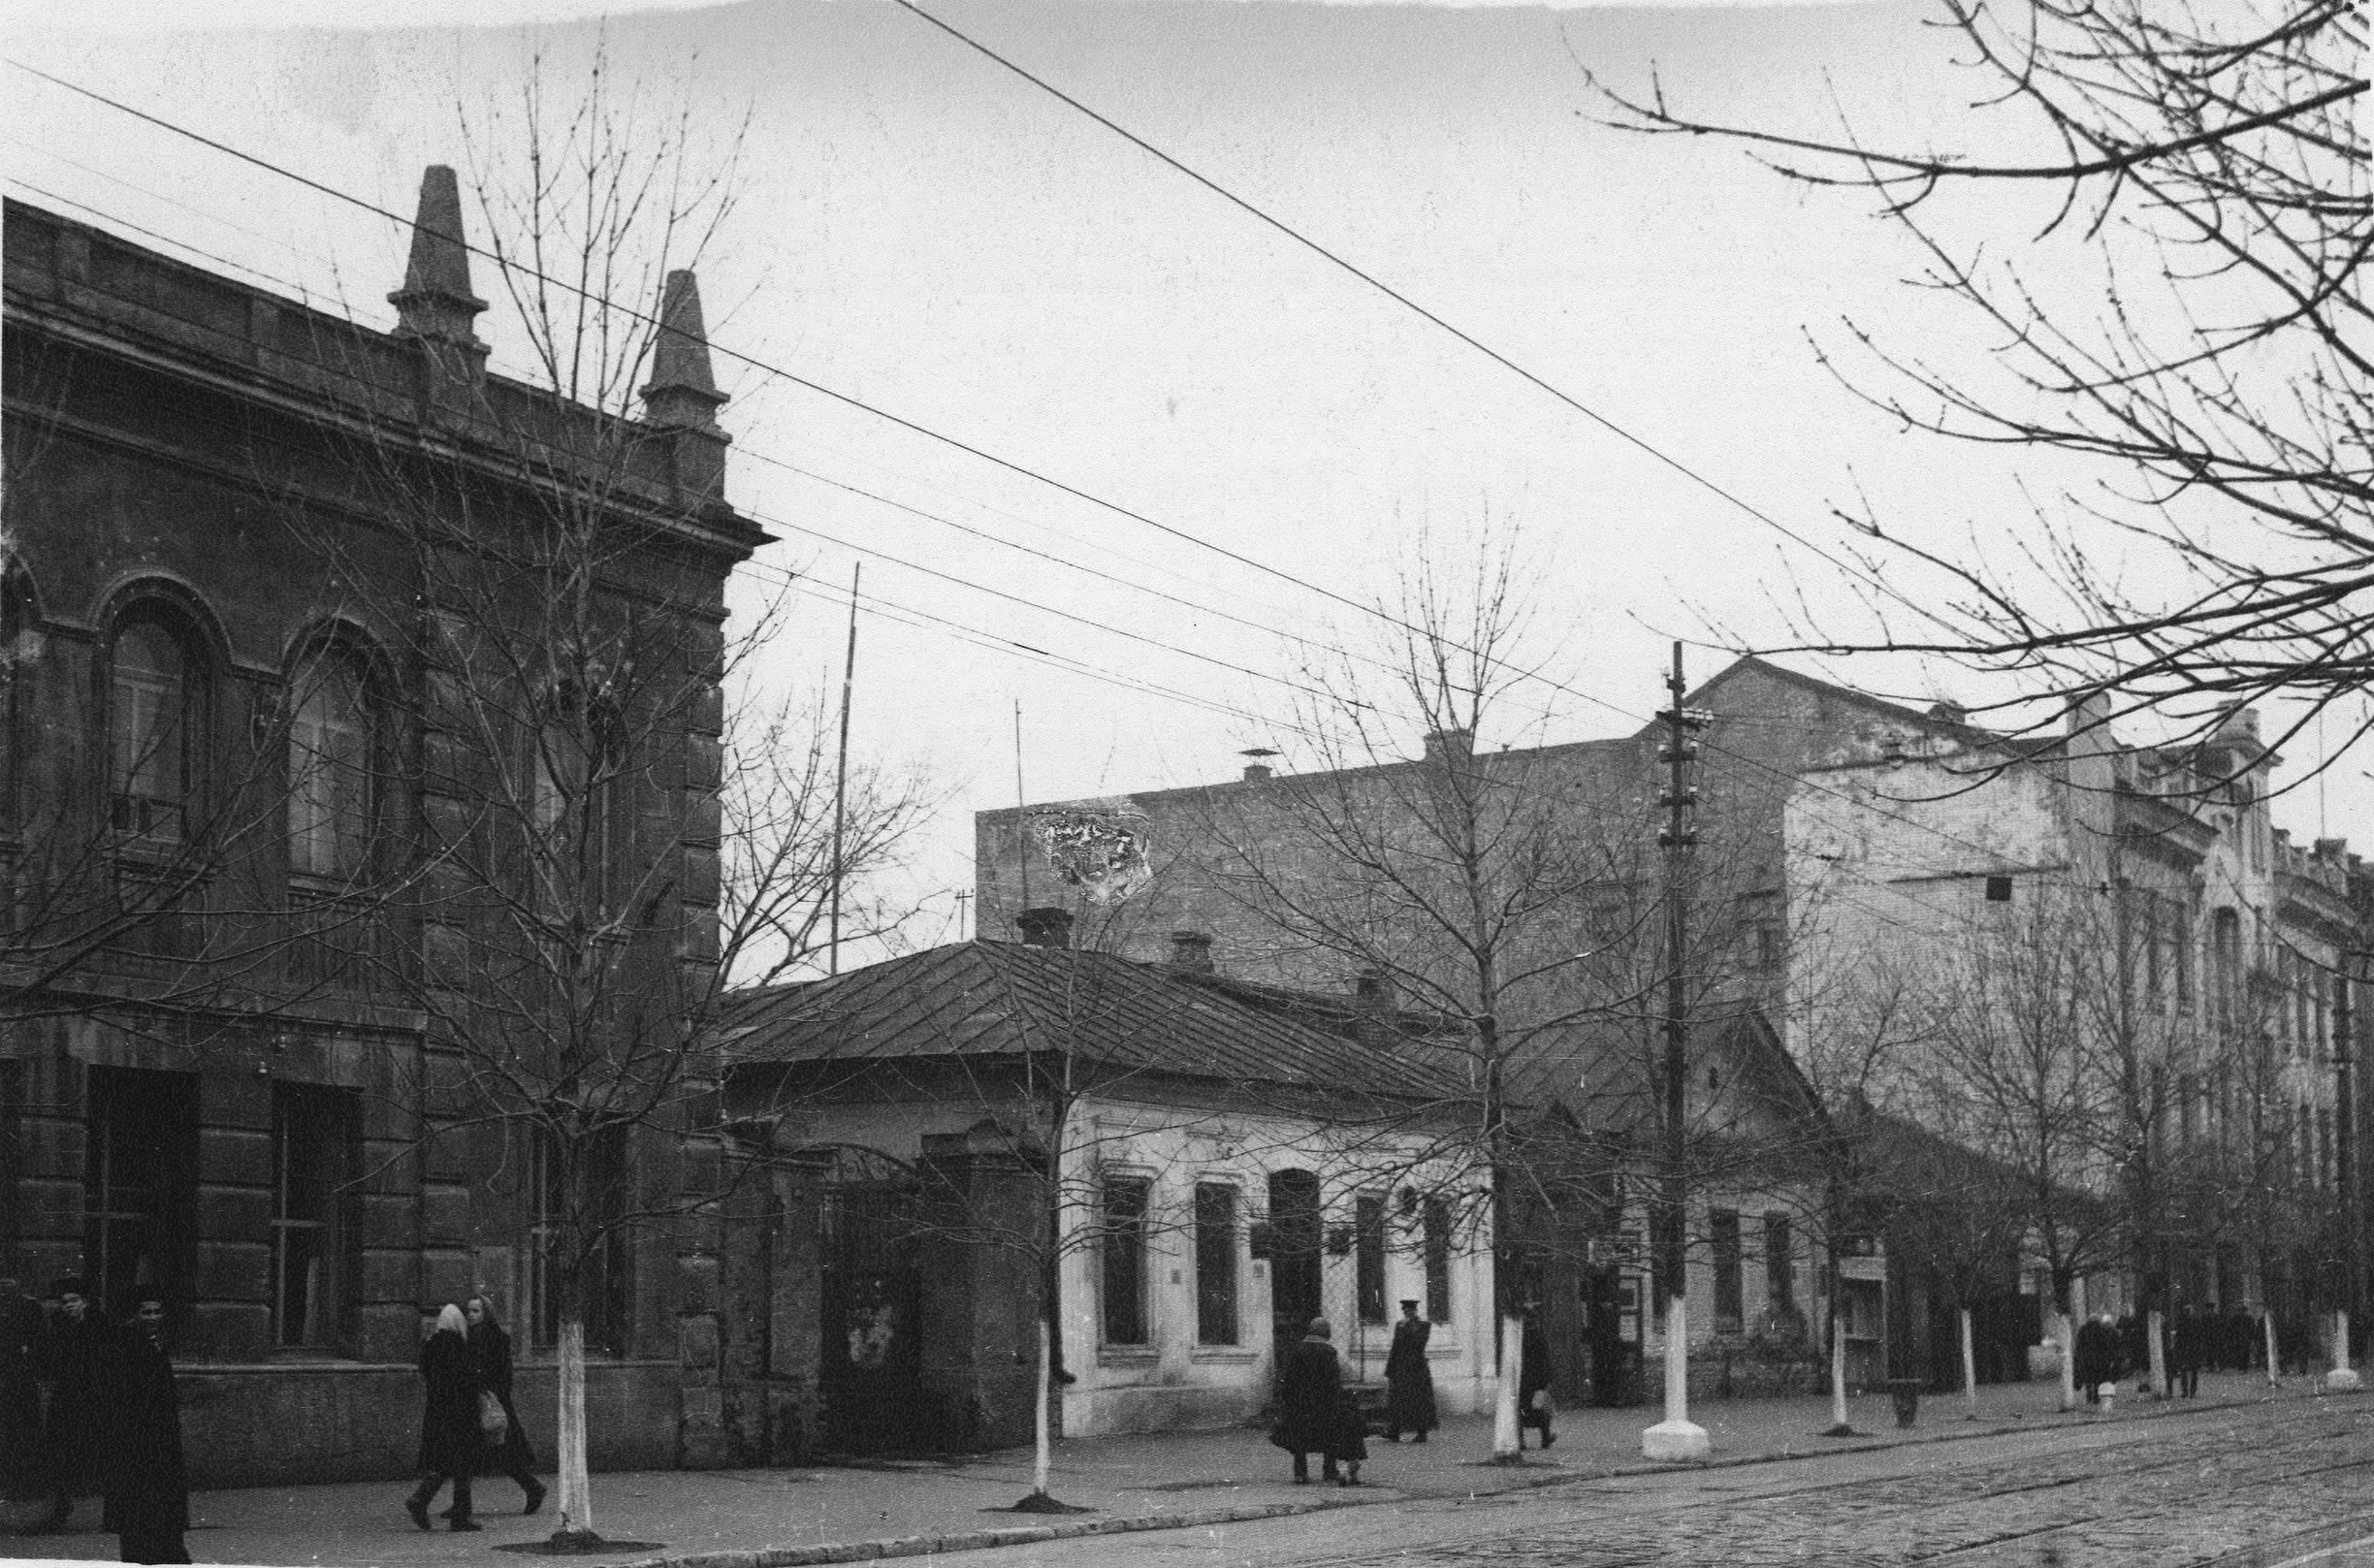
(928, 233)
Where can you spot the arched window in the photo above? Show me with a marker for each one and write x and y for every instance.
(330, 770)
(152, 702)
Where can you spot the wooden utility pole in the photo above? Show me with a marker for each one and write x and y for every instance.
(849, 678)
(1676, 1436)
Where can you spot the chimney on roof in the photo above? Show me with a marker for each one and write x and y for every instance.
(2240, 724)
(2331, 848)
(1255, 772)
(682, 397)
(1450, 746)
(1372, 1001)
(435, 306)
(1191, 950)
(1949, 713)
(1046, 927)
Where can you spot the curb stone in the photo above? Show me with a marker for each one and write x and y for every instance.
(920, 1545)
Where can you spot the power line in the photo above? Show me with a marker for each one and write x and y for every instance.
(1407, 303)
(603, 303)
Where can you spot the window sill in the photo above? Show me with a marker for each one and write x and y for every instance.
(1224, 1355)
(1127, 1355)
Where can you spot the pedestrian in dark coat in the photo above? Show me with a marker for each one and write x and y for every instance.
(1409, 1401)
(74, 1352)
(491, 1360)
(1311, 1403)
(2095, 1356)
(2186, 1351)
(1533, 1407)
(450, 1436)
(146, 1488)
(22, 1477)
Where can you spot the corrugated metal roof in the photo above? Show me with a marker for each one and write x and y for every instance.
(1005, 998)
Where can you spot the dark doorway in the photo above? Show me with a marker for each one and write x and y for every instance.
(140, 1186)
(1295, 1242)
(870, 1363)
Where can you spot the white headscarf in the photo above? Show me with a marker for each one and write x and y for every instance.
(451, 1322)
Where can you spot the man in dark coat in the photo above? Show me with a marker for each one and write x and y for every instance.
(450, 1434)
(2094, 1360)
(75, 1351)
(1311, 1403)
(145, 1487)
(1533, 1379)
(491, 1360)
(1409, 1401)
(2186, 1351)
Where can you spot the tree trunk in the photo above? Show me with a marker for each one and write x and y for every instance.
(574, 1515)
(1837, 1363)
(1043, 1424)
(2267, 1323)
(1508, 1436)
(1969, 1365)
(2155, 1330)
(2067, 1326)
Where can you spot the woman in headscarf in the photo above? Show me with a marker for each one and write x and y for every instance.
(450, 1437)
(1311, 1403)
(1409, 1402)
(490, 1357)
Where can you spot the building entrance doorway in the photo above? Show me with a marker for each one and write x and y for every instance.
(870, 1365)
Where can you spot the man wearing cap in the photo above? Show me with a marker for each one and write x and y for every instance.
(1409, 1383)
(73, 1359)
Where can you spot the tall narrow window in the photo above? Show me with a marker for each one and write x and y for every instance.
(1368, 1255)
(1434, 1247)
(330, 772)
(1124, 1216)
(148, 731)
(1779, 1265)
(1215, 1261)
(313, 1132)
(139, 1184)
(1725, 1226)
(2181, 943)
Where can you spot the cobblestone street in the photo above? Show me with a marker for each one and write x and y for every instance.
(2261, 1487)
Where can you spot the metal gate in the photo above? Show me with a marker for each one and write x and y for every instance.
(871, 1361)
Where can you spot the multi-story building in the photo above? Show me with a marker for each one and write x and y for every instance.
(1786, 921)
(270, 749)
(2110, 961)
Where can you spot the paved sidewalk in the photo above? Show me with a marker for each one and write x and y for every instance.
(761, 1518)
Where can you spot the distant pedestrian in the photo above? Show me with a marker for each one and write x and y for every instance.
(450, 1435)
(1311, 1403)
(145, 1486)
(1533, 1403)
(1409, 1399)
(491, 1360)
(2097, 1359)
(2186, 1349)
(74, 1353)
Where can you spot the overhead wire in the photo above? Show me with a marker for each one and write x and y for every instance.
(1778, 772)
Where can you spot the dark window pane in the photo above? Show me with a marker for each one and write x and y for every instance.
(1779, 1265)
(1215, 1264)
(1369, 1244)
(1724, 1224)
(1124, 1223)
(1436, 1248)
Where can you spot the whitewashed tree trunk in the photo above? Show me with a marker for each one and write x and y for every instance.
(1677, 1358)
(1969, 1367)
(1508, 1437)
(575, 1513)
(2267, 1323)
(1043, 1424)
(2067, 1325)
(2340, 1344)
(2155, 1330)
(1838, 1368)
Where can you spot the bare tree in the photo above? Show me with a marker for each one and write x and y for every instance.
(2207, 177)
(604, 848)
